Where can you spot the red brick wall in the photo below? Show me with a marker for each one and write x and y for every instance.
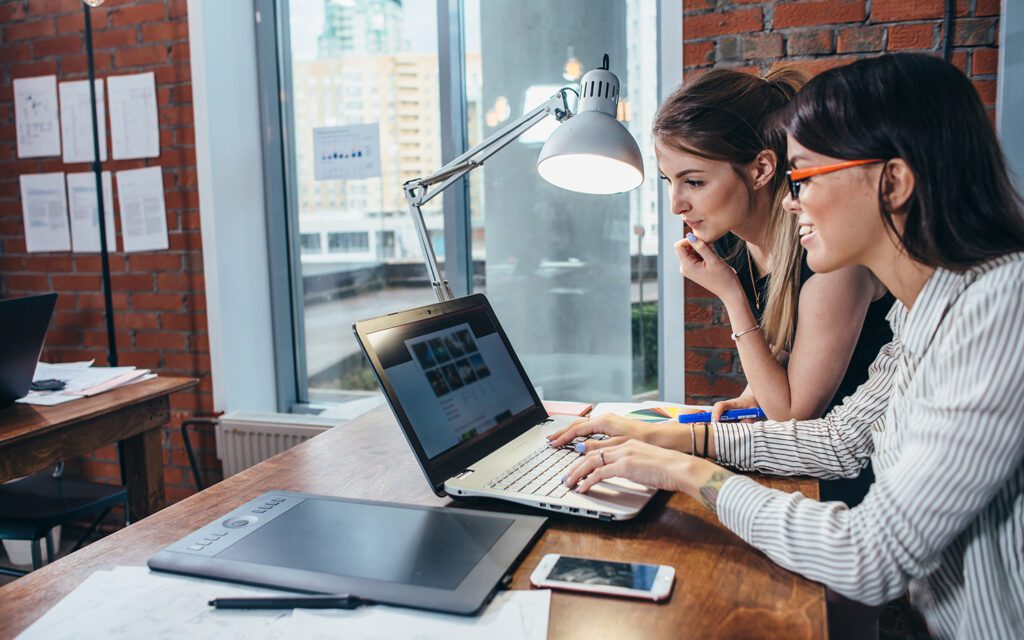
(817, 34)
(159, 298)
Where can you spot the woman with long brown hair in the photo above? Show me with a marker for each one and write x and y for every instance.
(805, 340)
(895, 167)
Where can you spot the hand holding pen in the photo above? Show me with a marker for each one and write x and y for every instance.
(752, 413)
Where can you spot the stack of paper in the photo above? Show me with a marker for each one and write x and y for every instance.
(81, 379)
(133, 602)
(649, 411)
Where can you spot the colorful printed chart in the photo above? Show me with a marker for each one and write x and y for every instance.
(659, 414)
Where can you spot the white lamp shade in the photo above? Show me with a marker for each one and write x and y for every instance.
(592, 152)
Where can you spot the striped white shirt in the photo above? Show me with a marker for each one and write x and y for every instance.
(941, 417)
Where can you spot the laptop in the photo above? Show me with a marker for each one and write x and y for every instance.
(23, 324)
(471, 415)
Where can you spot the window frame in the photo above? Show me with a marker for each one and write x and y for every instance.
(281, 193)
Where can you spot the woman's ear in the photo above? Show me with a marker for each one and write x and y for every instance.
(762, 169)
(897, 184)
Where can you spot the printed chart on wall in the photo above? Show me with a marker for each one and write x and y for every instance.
(351, 152)
(35, 115)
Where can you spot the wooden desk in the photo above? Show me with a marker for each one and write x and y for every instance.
(35, 438)
(724, 587)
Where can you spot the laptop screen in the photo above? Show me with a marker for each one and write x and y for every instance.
(454, 376)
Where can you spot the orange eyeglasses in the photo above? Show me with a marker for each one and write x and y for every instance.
(796, 176)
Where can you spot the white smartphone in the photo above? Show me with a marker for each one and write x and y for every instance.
(629, 580)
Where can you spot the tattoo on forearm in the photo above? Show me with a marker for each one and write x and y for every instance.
(709, 491)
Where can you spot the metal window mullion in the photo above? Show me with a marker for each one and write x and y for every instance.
(458, 259)
(671, 344)
(273, 63)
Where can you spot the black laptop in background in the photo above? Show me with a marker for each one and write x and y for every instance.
(23, 324)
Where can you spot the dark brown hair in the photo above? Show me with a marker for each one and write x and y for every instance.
(964, 209)
(731, 116)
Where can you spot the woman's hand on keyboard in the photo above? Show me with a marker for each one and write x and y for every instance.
(641, 462)
(652, 466)
(619, 430)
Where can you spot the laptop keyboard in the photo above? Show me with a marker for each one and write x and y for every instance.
(539, 473)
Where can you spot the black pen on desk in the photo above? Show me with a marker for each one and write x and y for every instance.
(290, 602)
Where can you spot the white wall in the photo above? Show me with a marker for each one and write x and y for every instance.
(228, 159)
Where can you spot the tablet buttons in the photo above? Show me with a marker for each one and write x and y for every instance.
(239, 522)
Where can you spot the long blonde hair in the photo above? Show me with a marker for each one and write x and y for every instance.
(728, 115)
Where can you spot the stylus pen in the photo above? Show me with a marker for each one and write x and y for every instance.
(732, 414)
(290, 602)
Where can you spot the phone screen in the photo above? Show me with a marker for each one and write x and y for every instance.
(601, 572)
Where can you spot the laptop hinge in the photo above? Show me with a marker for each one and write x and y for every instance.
(462, 474)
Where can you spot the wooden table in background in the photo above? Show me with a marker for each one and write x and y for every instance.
(33, 438)
(724, 587)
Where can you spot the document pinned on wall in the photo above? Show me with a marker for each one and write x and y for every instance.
(85, 228)
(76, 121)
(44, 208)
(351, 152)
(35, 116)
(134, 129)
(140, 196)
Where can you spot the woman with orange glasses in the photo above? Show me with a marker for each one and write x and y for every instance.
(895, 167)
(804, 340)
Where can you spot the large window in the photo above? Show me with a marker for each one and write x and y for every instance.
(356, 62)
(573, 278)
(566, 272)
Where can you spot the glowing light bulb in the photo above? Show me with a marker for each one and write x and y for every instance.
(573, 67)
(94, 3)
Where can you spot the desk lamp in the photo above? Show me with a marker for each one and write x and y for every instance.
(591, 152)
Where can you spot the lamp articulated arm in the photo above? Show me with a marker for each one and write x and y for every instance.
(418, 191)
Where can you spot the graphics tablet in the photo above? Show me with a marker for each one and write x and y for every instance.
(443, 559)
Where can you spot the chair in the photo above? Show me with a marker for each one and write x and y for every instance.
(31, 507)
(197, 475)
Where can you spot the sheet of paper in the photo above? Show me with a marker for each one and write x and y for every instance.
(140, 196)
(134, 128)
(42, 368)
(44, 209)
(670, 409)
(618, 408)
(512, 615)
(36, 116)
(83, 381)
(127, 377)
(567, 408)
(346, 153)
(46, 398)
(85, 227)
(76, 121)
(133, 602)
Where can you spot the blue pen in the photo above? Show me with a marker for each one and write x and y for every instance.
(754, 413)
